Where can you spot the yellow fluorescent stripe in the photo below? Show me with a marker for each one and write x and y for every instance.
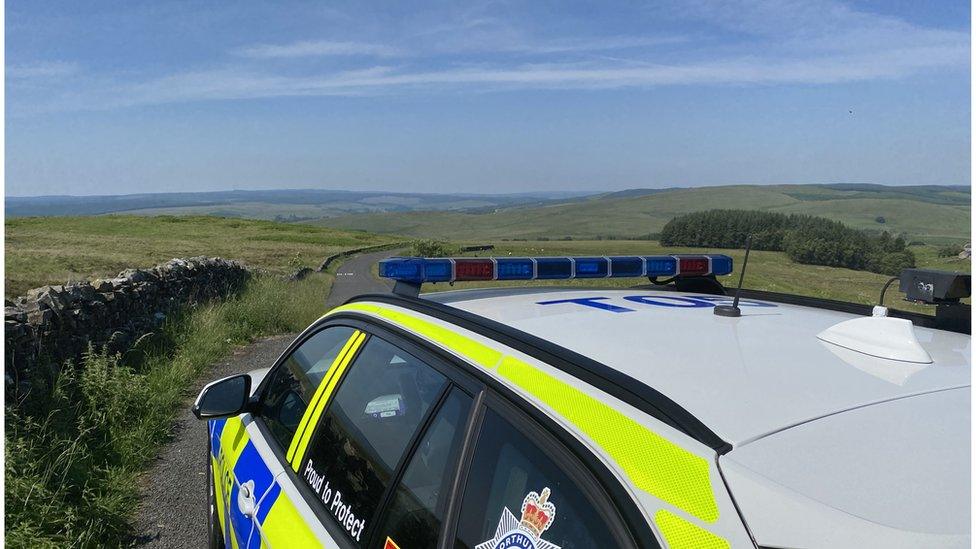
(318, 394)
(218, 494)
(303, 424)
(285, 527)
(482, 355)
(324, 400)
(653, 463)
(679, 533)
(233, 439)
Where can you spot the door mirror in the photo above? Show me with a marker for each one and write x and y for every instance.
(224, 397)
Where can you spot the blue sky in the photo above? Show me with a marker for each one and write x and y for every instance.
(130, 96)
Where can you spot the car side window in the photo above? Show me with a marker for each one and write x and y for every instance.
(294, 381)
(365, 430)
(518, 495)
(416, 513)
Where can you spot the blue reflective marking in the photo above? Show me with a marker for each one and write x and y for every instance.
(216, 429)
(684, 302)
(253, 540)
(590, 302)
(269, 499)
(249, 467)
(242, 525)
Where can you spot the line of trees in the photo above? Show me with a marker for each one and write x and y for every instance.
(805, 239)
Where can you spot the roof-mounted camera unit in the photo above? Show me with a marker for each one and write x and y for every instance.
(933, 287)
(944, 290)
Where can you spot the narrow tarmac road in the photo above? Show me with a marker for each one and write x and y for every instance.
(355, 277)
(173, 507)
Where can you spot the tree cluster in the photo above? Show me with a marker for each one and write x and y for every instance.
(949, 250)
(805, 239)
(432, 248)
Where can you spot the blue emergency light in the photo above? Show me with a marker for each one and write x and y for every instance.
(455, 269)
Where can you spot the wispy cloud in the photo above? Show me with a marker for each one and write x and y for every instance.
(378, 80)
(511, 46)
(318, 48)
(589, 45)
(810, 25)
(41, 70)
(777, 42)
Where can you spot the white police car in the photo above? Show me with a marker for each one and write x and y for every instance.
(550, 418)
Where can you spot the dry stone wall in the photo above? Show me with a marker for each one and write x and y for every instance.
(328, 261)
(53, 324)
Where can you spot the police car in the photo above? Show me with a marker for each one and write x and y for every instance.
(546, 418)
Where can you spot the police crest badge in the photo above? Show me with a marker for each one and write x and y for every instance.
(538, 514)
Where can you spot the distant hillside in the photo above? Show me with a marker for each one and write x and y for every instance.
(929, 213)
(284, 204)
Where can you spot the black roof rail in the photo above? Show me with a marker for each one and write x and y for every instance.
(599, 375)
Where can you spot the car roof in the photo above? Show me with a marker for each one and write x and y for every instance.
(744, 378)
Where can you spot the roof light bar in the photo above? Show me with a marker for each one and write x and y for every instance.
(445, 269)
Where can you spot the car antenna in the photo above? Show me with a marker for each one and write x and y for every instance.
(733, 309)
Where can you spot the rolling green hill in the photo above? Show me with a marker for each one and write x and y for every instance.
(928, 213)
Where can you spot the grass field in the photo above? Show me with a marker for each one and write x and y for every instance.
(770, 271)
(932, 216)
(55, 250)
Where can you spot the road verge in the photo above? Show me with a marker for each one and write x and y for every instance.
(76, 448)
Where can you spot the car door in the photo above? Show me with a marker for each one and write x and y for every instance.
(524, 489)
(376, 451)
(246, 450)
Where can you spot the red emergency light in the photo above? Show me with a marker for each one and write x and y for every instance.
(693, 266)
(474, 269)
